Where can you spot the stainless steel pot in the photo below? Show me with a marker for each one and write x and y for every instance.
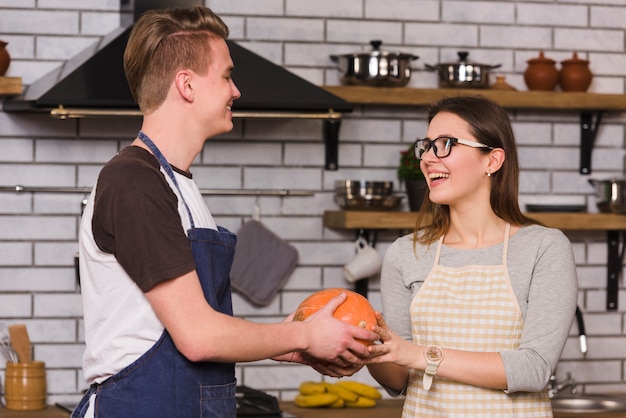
(375, 68)
(463, 73)
(610, 195)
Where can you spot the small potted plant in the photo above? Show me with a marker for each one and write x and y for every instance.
(410, 173)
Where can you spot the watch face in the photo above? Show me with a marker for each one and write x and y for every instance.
(433, 353)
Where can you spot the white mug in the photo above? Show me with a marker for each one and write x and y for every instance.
(365, 263)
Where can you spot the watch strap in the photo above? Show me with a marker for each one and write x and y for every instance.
(431, 365)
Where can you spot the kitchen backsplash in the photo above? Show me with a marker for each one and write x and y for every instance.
(38, 231)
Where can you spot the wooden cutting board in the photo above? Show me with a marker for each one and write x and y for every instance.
(20, 342)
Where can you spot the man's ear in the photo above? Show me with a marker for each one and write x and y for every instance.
(184, 85)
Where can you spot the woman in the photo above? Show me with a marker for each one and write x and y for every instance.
(479, 301)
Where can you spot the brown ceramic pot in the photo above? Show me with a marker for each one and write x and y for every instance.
(541, 74)
(575, 74)
(501, 84)
(5, 58)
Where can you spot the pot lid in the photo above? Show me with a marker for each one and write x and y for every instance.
(541, 59)
(463, 60)
(377, 52)
(575, 60)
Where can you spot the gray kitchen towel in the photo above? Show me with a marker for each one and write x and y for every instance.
(263, 262)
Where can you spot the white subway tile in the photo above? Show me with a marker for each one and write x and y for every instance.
(16, 253)
(58, 305)
(112, 5)
(424, 10)
(62, 47)
(99, 23)
(552, 14)
(37, 279)
(246, 7)
(589, 39)
(515, 37)
(443, 34)
(286, 28)
(14, 305)
(608, 17)
(320, 8)
(359, 31)
(478, 12)
(41, 22)
(60, 355)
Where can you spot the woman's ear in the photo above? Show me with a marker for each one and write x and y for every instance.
(496, 159)
(184, 85)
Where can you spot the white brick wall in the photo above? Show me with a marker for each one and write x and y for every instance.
(38, 231)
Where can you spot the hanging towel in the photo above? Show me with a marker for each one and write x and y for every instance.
(263, 262)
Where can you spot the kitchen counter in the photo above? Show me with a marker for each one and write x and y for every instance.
(50, 412)
(387, 408)
(390, 408)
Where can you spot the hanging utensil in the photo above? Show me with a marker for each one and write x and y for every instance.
(5, 345)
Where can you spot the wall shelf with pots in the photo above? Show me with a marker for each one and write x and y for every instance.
(589, 105)
(10, 86)
(613, 224)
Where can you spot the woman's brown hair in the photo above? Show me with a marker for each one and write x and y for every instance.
(489, 124)
(163, 42)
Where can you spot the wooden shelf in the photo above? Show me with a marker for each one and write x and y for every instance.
(406, 220)
(10, 85)
(404, 96)
(613, 224)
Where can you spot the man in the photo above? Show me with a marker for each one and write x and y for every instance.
(161, 340)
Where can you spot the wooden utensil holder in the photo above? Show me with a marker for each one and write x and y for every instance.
(25, 386)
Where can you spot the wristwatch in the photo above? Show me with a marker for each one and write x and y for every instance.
(433, 355)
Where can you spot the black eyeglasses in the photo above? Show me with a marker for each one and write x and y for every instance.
(441, 146)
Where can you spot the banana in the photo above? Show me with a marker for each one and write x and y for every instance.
(343, 393)
(339, 403)
(315, 401)
(312, 388)
(360, 389)
(362, 402)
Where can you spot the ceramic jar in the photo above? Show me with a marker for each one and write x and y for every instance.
(501, 84)
(541, 73)
(5, 58)
(575, 74)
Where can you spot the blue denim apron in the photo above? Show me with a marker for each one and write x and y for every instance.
(162, 382)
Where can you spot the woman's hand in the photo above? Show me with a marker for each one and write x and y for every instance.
(325, 367)
(393, 348)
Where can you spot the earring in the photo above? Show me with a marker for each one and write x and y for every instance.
(488, 173)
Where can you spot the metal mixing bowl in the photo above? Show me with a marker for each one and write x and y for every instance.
(366, 195)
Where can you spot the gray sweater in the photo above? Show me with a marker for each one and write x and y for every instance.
(543, 277)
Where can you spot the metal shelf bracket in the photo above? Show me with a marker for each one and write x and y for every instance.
(614, 267)
(588, 131)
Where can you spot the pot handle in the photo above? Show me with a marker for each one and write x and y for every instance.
(495, 66)
(432, 67)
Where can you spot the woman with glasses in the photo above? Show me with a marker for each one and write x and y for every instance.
(479, 300)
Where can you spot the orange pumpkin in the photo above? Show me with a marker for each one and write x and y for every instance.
(355, 310)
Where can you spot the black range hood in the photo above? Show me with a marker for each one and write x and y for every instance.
(93, 84)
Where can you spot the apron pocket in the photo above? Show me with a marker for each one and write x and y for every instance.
(218, 401)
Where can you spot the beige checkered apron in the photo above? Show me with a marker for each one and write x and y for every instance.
(470, 308)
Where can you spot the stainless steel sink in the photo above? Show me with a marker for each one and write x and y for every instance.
(588, 404)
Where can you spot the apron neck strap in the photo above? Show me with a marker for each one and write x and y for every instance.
(166, 166)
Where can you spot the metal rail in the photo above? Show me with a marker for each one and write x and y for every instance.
(213, 192)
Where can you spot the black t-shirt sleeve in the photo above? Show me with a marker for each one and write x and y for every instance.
(136, 219)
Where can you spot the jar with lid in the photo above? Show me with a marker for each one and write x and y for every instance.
(5, 58)
(575, 74)
(541, 73)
